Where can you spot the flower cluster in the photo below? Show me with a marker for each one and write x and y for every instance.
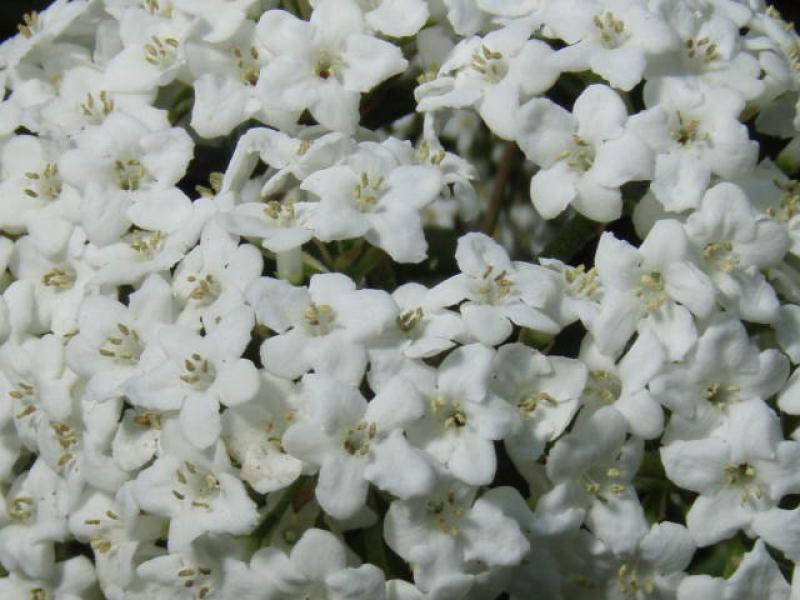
(400, 300)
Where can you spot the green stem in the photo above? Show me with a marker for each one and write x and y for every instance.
(314, 264)
(276, 512)
(368, 261)
(504, 171)
(572, 238)
(326, 255)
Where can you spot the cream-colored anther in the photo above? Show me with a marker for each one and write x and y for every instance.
(721, 255)
(650, 291)
(319, 318)
(610, 30)
(29, 25)
(582, 282)
(198, 372)
(161, 52)
(702, 49)
(21, 508)
(96, 108)
(359, 437)
(124, 347)
(529, 403)
(490, 64)
(44, 184)
(408, 320)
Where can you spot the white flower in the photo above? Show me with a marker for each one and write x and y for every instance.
(421, 330)
(734, 243)
(354, 442)
(212, 277)
(317, 566)
(744, 473)
(226, 85)
(612, 37)
(324, 65)
(463, 417)
(657, 286)
(494, 73)
(117, 532)
(375, 196)
(61, 281)
(322, 328)
(593, 468)
(113, 338)
(393, 18)
(197, 374)
(197, 492)
(545, 391)
(757, 576)
(447, 532)
(584, 157)
(34, 515)
(724, 368)
(72, 579)
(29, 180)
(253, 431)
(694, 135)
(498, 292)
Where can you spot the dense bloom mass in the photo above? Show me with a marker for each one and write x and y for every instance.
(400, 300)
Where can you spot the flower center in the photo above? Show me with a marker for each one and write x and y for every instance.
(789, 204)
(147, 244)
(206, 289)
(22, 508)
(367, 192)
(720, 255)
(67, 438)
(407, 321)
(650, 291)
(448, 412)
(29, 25)
(195, 487)
(580, 157)
(59, 278)
(154, 7)
(148, 420)
(327, 65)
(129, 174)
(582, 282)
(162, 52)
(282, 213)
(630, 583)
(603, 387)
(721, 395)
(247, 65)
(490, 64)
(196, 577)
(198, 372)
(701, 50)
(610, 30)
(358, 438)
(444, 513)
(600, 481)
(530, 402)
(96, 109)
(688, 132)
(319, 319)
(44, 184)
(25, 394)
(494, 288)
(744, 476)
(124, 347)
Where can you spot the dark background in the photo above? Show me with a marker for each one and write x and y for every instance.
(11, 12)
